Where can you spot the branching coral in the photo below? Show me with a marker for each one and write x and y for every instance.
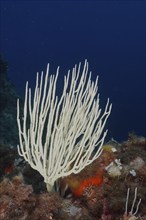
(63, 135)
(132, 214)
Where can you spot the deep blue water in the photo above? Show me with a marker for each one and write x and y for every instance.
(110, 34)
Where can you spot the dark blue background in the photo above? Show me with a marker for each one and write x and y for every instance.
(110, 34)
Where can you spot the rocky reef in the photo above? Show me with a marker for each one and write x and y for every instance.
(113, 187)
(8, 98)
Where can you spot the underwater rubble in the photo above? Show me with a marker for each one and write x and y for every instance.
(113, 187)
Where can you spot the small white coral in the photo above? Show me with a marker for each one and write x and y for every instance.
(131, 215)
(114, 168)
(137, 163)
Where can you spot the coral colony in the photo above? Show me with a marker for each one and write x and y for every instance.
(72, 125)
